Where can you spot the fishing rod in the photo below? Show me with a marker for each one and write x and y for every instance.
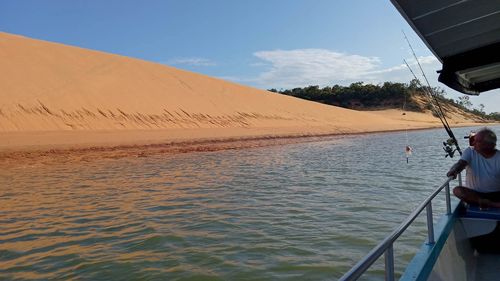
(452, 141)
(447, 145)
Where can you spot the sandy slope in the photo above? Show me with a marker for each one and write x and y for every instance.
(52, 95)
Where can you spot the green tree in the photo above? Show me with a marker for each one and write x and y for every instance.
(481, 108)
(465, 102)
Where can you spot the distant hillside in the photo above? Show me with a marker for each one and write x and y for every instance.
(408, 97)
(53, 95)
(51, 87)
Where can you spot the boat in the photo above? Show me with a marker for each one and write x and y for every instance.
(464, 35)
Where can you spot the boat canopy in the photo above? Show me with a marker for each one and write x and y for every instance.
(464, 35)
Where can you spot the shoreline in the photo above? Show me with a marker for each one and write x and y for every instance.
(77, 105)
(23, 154)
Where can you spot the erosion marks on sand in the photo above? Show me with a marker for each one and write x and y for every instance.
(118, 118)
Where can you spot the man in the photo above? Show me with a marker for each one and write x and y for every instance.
(482, 160)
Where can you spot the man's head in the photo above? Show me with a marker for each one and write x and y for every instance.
(485, 140)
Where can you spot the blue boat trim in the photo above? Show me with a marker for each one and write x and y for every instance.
(473, 211)
(423, 262)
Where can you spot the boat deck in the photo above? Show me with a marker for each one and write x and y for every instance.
(468, 248)
(487, 267)
(487, 246)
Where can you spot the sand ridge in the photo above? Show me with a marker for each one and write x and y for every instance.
(54, 96)
(48, 86)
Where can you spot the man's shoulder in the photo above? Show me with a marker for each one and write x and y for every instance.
(497, 154)
(469, 149)
(467, 154)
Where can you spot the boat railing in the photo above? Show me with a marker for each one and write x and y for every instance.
(386, 246)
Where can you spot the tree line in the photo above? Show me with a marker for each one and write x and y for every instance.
(361, 96)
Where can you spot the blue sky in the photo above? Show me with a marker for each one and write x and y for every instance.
(262, 43)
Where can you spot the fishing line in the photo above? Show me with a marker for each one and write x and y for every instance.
(408, 148)
(452, 141)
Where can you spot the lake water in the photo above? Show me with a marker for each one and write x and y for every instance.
(306, 211)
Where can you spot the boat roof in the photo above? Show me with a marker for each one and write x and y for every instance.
(464, 35)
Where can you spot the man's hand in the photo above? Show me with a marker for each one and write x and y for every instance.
(452, 173)
(456, 169)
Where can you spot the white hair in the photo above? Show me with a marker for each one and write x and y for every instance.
(488, 135)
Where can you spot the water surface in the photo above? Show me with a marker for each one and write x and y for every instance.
(304, 211)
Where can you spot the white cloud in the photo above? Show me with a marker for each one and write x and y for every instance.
(193, 61)
(305, 67)
(401, 73)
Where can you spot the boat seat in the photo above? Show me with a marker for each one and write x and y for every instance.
(473, 211)
(482, 227)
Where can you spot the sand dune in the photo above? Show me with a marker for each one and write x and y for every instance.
(52, 95)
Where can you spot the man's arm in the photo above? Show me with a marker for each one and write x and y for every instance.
(457, 168)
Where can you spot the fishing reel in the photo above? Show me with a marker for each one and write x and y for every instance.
(449, 146)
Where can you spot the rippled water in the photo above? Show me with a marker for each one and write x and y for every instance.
(303, 211)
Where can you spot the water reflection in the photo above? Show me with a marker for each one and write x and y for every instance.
(293, 212)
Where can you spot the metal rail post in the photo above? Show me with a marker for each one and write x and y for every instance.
(385, 247)
(389, 263)
(430, 223)
(448, 200)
